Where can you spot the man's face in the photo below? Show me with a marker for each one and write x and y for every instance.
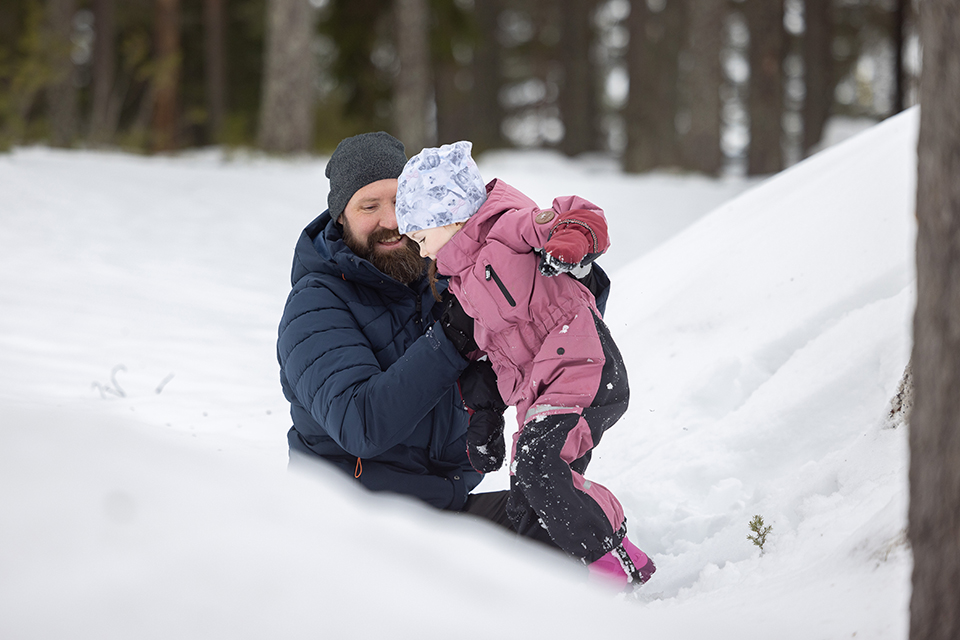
(370, 230)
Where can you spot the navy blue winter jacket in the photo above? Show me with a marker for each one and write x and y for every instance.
(370, 375)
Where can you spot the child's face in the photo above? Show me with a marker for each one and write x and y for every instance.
(430, 240)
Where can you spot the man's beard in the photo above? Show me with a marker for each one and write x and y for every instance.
(403, 264)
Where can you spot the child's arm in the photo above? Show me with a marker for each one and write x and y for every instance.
(485, 445)
(577, 237)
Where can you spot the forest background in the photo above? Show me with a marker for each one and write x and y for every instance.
(713, 86)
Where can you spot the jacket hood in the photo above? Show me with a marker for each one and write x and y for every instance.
(310, 256)
(462, 249)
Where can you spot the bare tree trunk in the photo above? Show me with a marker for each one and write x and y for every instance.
(638, 154)
(581, 87)
(935, 419)
(653, 98)
(819, 76)
(104, 71)
(166, 109)
(453, 103)
(702, 143)
(289, 92)
(899, 27)
(765, 100)
(62, 91)
(486, 111)
(216, 66)
(411, 92)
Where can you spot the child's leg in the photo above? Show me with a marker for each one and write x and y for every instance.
(582, 517)
(613, 392)
(612, 397)
(552, 452)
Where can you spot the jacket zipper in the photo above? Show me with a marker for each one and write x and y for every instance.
(490, 273)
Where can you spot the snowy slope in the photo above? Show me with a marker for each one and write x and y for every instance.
(763, 341)
(764, 344)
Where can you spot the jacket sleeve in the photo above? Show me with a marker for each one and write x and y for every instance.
(598, 283)
(534, 227)
(331, 368)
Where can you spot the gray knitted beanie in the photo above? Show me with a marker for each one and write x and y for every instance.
(359, 161)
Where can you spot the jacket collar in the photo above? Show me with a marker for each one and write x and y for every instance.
(321, 249)
(461, 252)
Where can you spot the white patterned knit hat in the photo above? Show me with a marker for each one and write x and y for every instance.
(438, 187)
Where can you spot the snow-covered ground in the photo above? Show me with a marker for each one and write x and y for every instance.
(143, 482)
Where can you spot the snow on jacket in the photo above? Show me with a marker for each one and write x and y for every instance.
(539, 331)
(370, 375)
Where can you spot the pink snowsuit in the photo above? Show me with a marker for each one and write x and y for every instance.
(554, 360)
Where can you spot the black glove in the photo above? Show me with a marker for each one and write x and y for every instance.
(485, 446)
(457, 325)
(478, 386)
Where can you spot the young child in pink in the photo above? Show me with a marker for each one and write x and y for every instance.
(553, 356)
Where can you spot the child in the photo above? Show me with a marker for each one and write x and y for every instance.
(553, 356)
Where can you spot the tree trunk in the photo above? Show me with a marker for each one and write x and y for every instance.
(899, 27)
(289, 92)
(453, 103)
(104, 71)
(452, 30)
(411, 92)
(819, 78)
(486, 111)
(653, 99)
(701, 145)
(765, 99)
(934, 510)
(216, 66)
(166, 108)
(580, 91)
(62, 90)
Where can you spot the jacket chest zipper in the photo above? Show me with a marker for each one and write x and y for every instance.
(490, 273)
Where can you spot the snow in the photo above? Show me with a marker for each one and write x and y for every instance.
(143, 479)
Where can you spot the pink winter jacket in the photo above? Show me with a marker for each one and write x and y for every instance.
(538, 331)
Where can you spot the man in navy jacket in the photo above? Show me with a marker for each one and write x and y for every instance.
(369, 370)
(370, 375)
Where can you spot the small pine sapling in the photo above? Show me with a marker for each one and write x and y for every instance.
(760, 532)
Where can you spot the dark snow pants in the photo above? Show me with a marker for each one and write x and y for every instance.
(492, 506)
(547, 487)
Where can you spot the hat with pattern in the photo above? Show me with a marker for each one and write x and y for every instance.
(439, 186)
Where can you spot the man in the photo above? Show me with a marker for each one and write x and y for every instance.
(368, 366)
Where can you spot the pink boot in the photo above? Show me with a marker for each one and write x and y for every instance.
(622, 566)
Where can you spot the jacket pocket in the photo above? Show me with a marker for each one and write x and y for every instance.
(490, 273)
